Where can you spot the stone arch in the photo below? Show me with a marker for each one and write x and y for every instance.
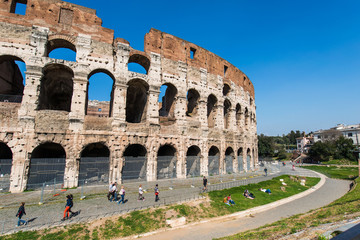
(56, 88)
(141, 59)
(229, 160)
(94, 163)
(6, 156)
(214, 161)
(166, 162)
(211, 110)
(193, 158)
(47, 164)
(240, 159)
(238, 114)
(248, 159)
(11, 79)
(226, 89)
(192, 97)
(60, 42)
(136, 100)
(168, 101)
(135, 163)
(247, 116)
(227, 109)
(100, 108)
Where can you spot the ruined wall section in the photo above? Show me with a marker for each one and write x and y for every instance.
(176, 49)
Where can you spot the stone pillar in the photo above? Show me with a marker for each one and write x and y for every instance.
(181, 160)
(71, 173)
(180, 110)
(152, 160)
(19, 171)
(152, 114)
(232, 120)
(204, 163)
(202, 112)
(78, 102)
(245, 159)
(219, 123)
(39, 37)
(31, 95)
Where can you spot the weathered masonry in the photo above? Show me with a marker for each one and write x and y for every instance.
(205, 124)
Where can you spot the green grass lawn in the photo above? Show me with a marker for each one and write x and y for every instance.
(138, 222)
(341, 162)
(345, 208)
(338, 172)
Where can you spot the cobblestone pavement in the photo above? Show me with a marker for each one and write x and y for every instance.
(96, 204)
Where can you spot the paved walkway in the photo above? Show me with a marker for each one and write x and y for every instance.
(96, 206)
(220, 227)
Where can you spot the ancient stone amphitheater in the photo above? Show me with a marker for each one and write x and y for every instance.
(205, 124)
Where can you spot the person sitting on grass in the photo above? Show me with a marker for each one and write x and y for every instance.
(230, 200)
(248, 195)
(265, 190)
(226, 201)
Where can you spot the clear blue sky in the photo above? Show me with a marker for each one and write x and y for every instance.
(303, 57)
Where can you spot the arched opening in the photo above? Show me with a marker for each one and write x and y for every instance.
(61, 49)
(211, 110)
(248, 160)
(226, 89)
(166, 162)
(12, 79)
(240, 160)
(47, 164)
(5, 166)
(251, 101)
(56, 88)
(214, 161)
(100, 92)
(238, 114)
(227, 106)
(192, 102)
(193, 161)
(135, 162)
(136, 99)
(94, 164)
(229, 160)
(139, 63)
(246, 118)
(167, 100)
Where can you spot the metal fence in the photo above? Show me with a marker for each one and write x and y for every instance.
(214, 164)
(192, 166)
(94, 170)
(166, 167)
(45, 170)
(134, 169)
(229, 164)
(5, 170)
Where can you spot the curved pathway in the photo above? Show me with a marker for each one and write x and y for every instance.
(331, 190)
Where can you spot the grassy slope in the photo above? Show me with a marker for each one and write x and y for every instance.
(348, 173)
(345, 207)
(151, 219)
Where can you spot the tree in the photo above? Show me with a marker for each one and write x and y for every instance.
(322, 151)
(266, 146)
(344, 149)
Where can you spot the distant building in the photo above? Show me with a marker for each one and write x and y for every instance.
(348, 131)
(98, 108)
(304, 143)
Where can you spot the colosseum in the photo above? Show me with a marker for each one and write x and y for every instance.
(204, 123)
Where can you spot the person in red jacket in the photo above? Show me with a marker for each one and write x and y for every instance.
(20, 213)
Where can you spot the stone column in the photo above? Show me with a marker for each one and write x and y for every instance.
(180, 109)
(152, 114)
(232, 120)
(78, 102)
(19, 171)
(219, 123)
(152, 159)
(202, 112)
(119, 104)
(204, 163)
(181, 160)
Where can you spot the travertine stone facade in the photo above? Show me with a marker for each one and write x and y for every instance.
(209, 102)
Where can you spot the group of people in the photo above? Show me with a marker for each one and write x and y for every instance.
(228, 200)
(113, 193)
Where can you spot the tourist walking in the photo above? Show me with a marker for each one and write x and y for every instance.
(141, 192)
(20, 213)
(122, 195)
(156, 190)
(68, 205)
(265, 170)
(72, 204)
(109, 193)
(205, 183)
(113, 192)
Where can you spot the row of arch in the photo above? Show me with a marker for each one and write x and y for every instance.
(48, 162)
(56, 92)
